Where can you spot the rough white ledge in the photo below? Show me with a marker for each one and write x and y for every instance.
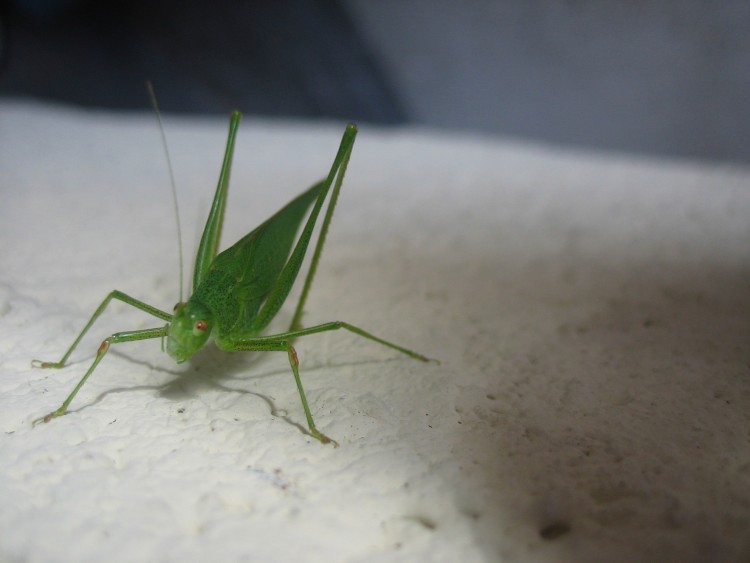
(591, 313)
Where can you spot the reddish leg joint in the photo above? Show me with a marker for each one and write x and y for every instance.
(293, 356)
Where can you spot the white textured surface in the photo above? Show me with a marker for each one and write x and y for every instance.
(592, 316)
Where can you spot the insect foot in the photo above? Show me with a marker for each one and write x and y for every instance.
(45, 365)
(323, 438)
(47, 417)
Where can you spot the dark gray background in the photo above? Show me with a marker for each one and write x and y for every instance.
(663, 78)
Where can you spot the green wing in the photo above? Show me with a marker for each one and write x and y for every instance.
(247, 284)
(241, 277)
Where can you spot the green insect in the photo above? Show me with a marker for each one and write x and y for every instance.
(237, 292)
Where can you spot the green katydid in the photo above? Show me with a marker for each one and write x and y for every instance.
(236, 293)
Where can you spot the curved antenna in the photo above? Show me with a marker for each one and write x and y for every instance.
(155, 105)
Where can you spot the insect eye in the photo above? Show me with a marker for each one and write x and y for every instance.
(199, 326)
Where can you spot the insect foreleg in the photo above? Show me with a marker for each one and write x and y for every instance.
(116, 338)
(282, 344)
(120, 296)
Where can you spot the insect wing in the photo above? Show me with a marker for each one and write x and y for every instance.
(241, 277)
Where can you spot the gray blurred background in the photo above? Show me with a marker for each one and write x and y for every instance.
(662, 78)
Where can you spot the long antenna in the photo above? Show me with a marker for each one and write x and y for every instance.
(155, 105)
